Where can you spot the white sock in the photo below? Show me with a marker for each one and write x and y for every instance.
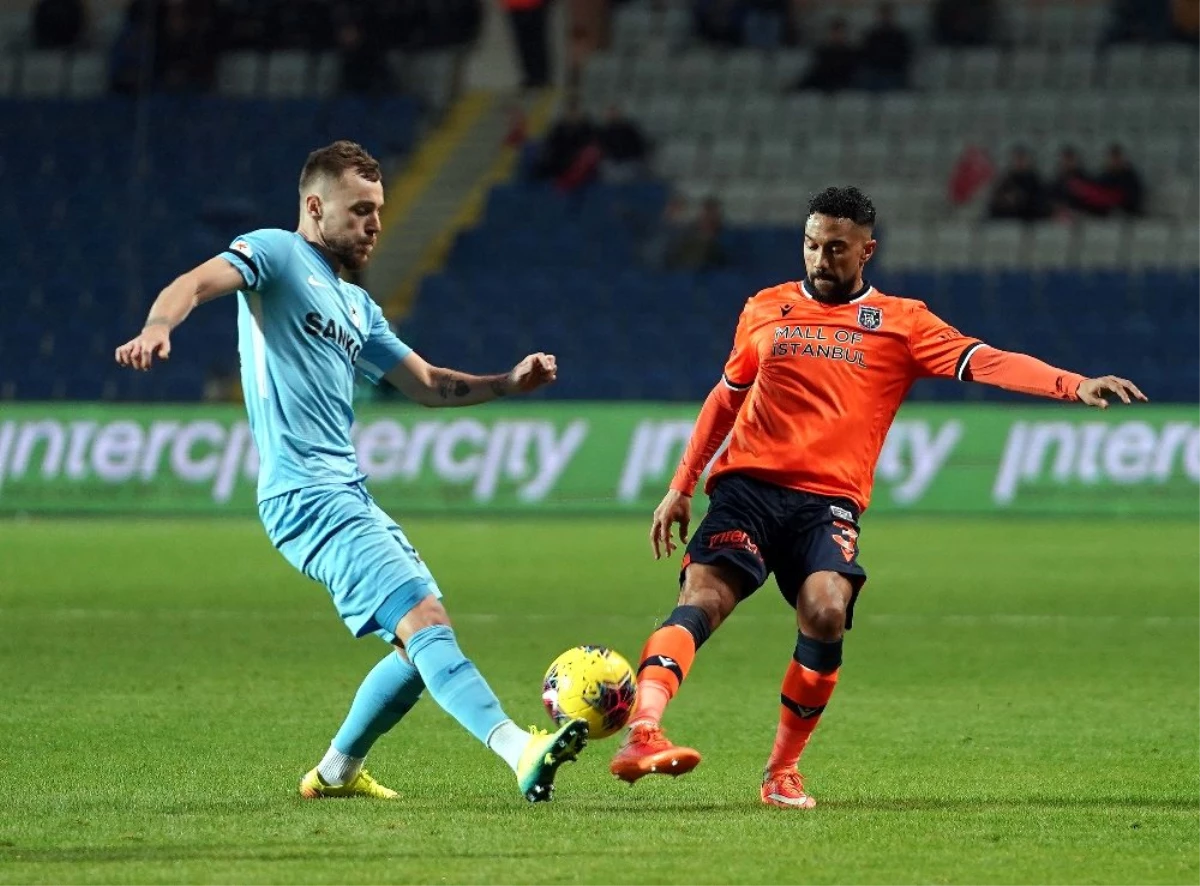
(337, 769)
(509, 741)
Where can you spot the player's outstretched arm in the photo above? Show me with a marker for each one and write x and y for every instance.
(1029, 375)
(434, 386)
(214, 278)
(1095, 391)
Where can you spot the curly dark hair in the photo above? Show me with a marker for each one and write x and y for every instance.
(848, 203)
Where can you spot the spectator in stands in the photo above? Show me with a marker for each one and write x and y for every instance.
(663, 244)
(567, 142)
(1185, 20)
(1070, 186)
(964, 22)
(58, 24)
(185, 47)
(129, 50)
(700, 248)
(720, 21)
(1020, 193)
(1122, 182)
(763, 27)
(1139, 21)
(835, 62)
(528, 21)
(1118, 188)
(886, 52)
(362, 56)
(624, 147)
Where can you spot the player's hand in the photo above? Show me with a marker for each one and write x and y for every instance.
(153, 341)
(532, 373)
(674, 508)
(1095, 391)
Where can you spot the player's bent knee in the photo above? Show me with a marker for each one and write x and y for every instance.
(822, 607)
(427, 613)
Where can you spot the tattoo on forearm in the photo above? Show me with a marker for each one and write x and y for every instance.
(157, 321)
(500, 386)
(448, 386)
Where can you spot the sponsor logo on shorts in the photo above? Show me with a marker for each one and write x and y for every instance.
(733, 539)
(847, 539)
(841, 513)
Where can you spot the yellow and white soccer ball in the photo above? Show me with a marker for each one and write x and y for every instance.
(591, 682)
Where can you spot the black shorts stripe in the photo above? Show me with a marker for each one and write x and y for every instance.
(962, 370)
(249, 262)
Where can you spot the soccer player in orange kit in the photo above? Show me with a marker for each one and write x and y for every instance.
(817, 373)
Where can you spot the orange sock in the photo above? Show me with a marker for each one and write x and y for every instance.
(802, 699)
(666, 659)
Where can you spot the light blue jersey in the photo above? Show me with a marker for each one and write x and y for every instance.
(302, 334)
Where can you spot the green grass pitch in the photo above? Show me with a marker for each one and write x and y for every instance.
(1018, 705)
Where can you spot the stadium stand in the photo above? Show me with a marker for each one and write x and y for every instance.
(120, 194)
(1116, 294)
(116, 194)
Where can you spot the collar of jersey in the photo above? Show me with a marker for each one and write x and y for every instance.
(858, 296)
(319, 253)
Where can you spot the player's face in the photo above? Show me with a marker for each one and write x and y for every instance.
(835, 251)
(349, 222)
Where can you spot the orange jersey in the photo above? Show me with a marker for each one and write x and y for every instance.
(824, 384)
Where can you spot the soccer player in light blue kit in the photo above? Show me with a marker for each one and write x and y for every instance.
(303, 333)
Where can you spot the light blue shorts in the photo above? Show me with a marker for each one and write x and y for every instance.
(337, 535)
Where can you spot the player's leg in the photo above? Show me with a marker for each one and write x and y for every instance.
(724, 563)
(456, 684)
(379, 584)
(709, 594)
(826, 557)
(808, 683)
(388, 693)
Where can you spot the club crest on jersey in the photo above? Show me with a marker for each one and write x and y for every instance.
(244, 248)
(869, 317)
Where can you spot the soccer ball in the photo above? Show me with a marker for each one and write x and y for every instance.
(591, 682)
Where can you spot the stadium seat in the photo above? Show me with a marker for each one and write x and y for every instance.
(1002, 244)
(239, 73)
(8, 75)
(43, 74)
(286, 74)
(1102, 245)
(1052, 246)
(87, 75)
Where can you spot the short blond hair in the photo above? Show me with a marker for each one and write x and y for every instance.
(333, 160)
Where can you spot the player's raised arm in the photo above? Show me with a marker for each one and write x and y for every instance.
(214, 278)
(941, 350)
(435, 386)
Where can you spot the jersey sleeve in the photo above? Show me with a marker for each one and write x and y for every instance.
(937, 348)
(382, 350)
(260, 256)
(742, 366)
